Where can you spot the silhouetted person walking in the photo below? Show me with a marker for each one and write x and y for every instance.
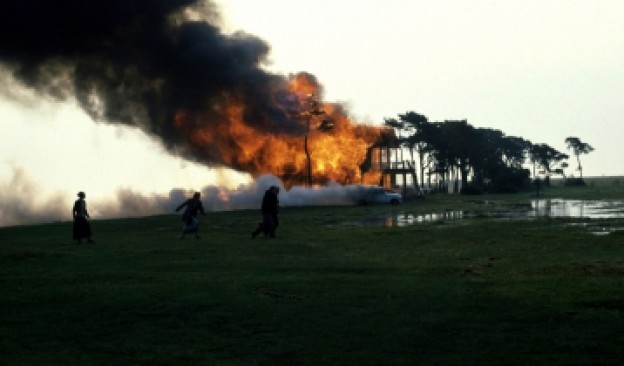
(82, 227)
(189, 217)
(270, 208)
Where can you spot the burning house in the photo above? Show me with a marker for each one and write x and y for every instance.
(385, 160)
(205, 95)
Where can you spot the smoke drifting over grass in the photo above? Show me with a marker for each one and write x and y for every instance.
(20, 203)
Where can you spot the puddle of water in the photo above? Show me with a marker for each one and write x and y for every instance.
(406, 219)
(537, 208)
(577, 208)
(596, 229)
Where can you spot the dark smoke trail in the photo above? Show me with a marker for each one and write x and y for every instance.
(139, 62)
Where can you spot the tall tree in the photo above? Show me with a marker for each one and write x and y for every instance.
(454, 149)
(547, 158)
(419, 140)
(514, 150)
(578, 147)
(451, 144)
(465, 149)
(315, 119)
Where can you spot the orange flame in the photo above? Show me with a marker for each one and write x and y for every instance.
(224, 135)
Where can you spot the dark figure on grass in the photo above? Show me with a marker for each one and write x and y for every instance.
(189, 217)
(270, 207)
(82, 227)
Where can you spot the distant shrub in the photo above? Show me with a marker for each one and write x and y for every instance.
(574, 182)
(471, 190)
(509, 180)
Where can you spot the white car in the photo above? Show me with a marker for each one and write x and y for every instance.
(380, 195)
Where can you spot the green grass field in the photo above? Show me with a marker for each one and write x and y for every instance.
(330, 290)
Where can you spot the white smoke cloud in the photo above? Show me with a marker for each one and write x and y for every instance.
(21, 203)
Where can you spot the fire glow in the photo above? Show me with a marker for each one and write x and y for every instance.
(230, 137)
(204, 94)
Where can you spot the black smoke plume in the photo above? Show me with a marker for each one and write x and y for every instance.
(139, 62)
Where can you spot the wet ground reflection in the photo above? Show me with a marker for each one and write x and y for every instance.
(578, 208)
(556, 208)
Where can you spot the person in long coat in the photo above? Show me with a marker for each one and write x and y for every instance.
(269, 208)
(189, 217)
(82, 227)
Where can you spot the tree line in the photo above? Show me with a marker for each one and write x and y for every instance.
(481, 159)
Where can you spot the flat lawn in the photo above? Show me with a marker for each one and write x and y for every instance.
(330, 290)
